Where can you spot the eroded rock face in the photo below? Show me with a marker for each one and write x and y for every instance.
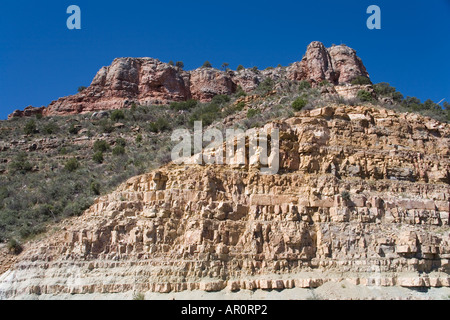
(127, 80)
(27, 112)
(362, 195)
(337, 65)
(208, 82)
(346, 64)
(150, 81)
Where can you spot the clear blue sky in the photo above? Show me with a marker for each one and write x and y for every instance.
(41, 60)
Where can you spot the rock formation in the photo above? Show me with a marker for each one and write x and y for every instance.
(362, 194)
(337, 65)
(150, 81)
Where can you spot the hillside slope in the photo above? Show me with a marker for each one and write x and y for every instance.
(362, 195)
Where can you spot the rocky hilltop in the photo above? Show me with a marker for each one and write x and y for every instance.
(362, 195)
(148, 81)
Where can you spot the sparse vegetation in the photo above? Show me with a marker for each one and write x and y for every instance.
(30, 127)
(361, 80)
(117, 115)
(81, 88)
(240, 67)
(364, 96)
(299, 104)
(207, 64)
(72, 165)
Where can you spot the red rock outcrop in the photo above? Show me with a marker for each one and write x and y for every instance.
(208, 82)
(150, 81)
(127, 80)
(27, 112)
(337, 65)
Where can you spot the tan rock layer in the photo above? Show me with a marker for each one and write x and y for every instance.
(211, 227)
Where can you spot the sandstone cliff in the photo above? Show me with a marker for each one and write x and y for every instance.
(149, 81)
(362, 195)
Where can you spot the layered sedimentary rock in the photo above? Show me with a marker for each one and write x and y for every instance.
(27, 112)
(149, 81)
(362, 194)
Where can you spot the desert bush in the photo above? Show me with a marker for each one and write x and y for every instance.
(117, 115)
(240, 67)
(185, 105)
(14, 246)
(266, 86)
(160, 125)
(299, 103)
(73, 129)
(364, 96)
(118, 150)
(81, 88)
(207, 64)
(50, 128)
(121, 142)
(304, 85)
(20, 164)
(98, 157)
(252, 112)
(72, 165)
(30, 127)
(101, 146)
(220, 99)
(180, 64)
(139, 138)
(95, 188)
(361, 80)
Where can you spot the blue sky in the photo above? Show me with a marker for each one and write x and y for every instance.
(41, 60)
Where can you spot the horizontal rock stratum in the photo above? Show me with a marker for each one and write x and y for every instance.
(149, 81)
(362, 195)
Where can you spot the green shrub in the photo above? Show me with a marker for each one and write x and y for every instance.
(361, 80)
(117, 115)
(95, 188)
(206, 113)
(180, 64)
(50, 128)
(81, 88)
(304, 85)
(252, 112)
(384, 89)
(121, 142)
(98, 157)
(106, 126)
(240, 106)
(14, 247)
(101, 146)
(299, 104)
(240, 67)
(73, 129)
(240, 92)
(185, 105)
(170, 63)
(30, 127)
(207, 64)
(118, 150)
(220, 99)
(159, 125)
(139, 138)
(72, 165)
(324, 83)
(266, 86)
(20, 164)
(255, 69)
(364, 96)
(39, 116)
